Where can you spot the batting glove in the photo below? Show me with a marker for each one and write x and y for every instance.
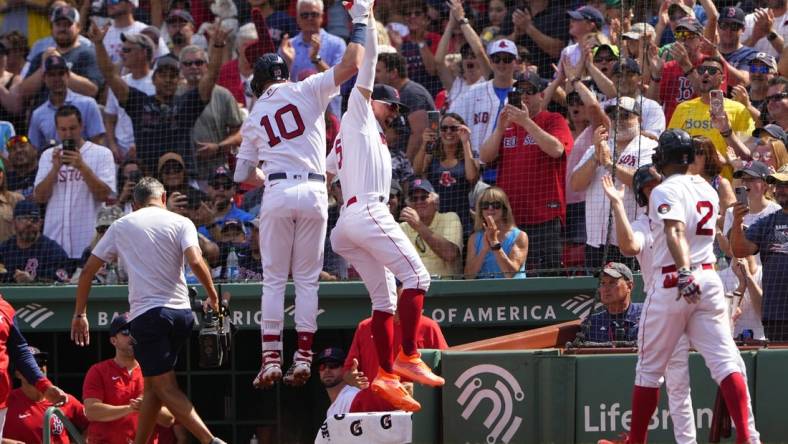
(358, 9)
(688, 288)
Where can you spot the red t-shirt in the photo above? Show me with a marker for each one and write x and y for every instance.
(6, 321)
(114, 385)
(363, 346)
(25, 419)
(533, 180)
(675, 88)
(230, 78)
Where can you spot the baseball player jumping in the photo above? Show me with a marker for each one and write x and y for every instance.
(368, 236)
(682, 211)
(286, 131)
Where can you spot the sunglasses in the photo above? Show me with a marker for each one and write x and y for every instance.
(329, 366)
(615, 113)
(309, 15)
(502, 58)
(28, 219)
(730, 26)
(529, 91)
(16, 140)
(496, 205)
(685, 35)
(190, 63)
(710, 70)
(172, 169)
(450, 128)
(419, 197)
(759, 69)
(777, 97)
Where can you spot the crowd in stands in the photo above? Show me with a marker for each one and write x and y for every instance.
(538, 99)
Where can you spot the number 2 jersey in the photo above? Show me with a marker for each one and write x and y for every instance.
(689, 199)
(360, 156)
(286, 129)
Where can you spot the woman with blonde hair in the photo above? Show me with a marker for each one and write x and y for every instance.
(497, 248)
(769, 149)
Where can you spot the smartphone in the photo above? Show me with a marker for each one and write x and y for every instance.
(433, 123)
(716, 99)
(515, 98)
(69, 145)
(741, 195)
(134, 176)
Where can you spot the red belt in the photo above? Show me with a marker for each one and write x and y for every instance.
(353, 200)
(672, 268)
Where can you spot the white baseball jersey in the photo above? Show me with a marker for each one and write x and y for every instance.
(72, 209)
(362, 166)
(151, 242)
(286, 128)
(689, 199)
(478, 106)
(636, 154)
(459, 87)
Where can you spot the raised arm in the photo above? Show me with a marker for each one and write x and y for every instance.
(108, 70)
(366, 73)
(351, 60)
(626, 237)
(218, 41)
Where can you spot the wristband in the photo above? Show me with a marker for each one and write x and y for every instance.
(772, 35)
(80, 315)
(43, 384)
(359, 33)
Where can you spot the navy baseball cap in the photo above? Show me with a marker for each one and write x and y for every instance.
(64, 12)
(167, 61)
(385, 93)
(331, 354)
(55, 63)
(221, 175)
(421, 184)
(119, 324)
(588, 13)
(754, 169)
(27, 208)
(626, 64)
(731, 14)
(771, 129)
(180, 14)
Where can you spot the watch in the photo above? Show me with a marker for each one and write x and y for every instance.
(317, 59)
(464, 21)
(496, 246)
(421, 45)
(772, 35)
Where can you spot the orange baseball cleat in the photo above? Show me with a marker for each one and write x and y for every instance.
(413, 368)
(387, 386)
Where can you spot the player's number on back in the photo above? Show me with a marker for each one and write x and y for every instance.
(284, 133)
(706, 210)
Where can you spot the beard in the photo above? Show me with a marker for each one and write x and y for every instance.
(178, 39)
(626, 133)
(29, 236)
(64, 40)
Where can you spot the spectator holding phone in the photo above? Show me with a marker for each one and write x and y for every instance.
(446, 160)
(74, 179)
(129, 174)
(498, 248)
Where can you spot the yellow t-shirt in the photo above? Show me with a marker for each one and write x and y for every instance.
(449, 226)
(694, 117)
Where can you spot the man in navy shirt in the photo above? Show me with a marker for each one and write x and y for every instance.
(29, 256)
(619, 321)
(769, 237)
(221, 190)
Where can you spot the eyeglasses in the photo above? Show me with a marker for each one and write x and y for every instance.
(190, 63)
(502, 58)
(450, 128)
(759, 69)
(28, 219)
(710, 70)
(172, 169)
(730, 26)
(685, 35)
(329, 366)
(309, 15)
(604, 59)
(777, 97)
(419, 197)
(16, 140)
(495, 205)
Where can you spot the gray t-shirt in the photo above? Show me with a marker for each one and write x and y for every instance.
(222, 112)
(415, 97)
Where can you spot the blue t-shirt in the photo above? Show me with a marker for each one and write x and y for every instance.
(606, 327)
(741, 58)
(45, 260)
(234, 213)
(770, 234)
(490, 268)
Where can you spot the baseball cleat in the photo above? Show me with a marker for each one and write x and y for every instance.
(298, 374)
(269, 375)
(387, 386)
(413, 368)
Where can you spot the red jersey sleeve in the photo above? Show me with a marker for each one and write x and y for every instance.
(76, 413)
(558, 127)
(93, 386)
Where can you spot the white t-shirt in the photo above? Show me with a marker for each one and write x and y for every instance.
(691, 200)
(749, 319)
(72, 209)
(780, 26)
(124, 130)
(636, 154)
(286, 128)
(360, 156)
(151, 242)
(341, 405)
(113, 43)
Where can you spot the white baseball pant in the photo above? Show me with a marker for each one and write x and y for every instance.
(369, 238)
(293, 218)
(664, 320)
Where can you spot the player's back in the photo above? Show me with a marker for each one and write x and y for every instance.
(360, 156)
(689, 199)
(286, 128)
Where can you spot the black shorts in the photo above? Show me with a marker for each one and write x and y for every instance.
(159, 334)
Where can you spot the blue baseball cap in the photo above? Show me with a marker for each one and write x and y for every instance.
(118, 324)
(421, 184)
